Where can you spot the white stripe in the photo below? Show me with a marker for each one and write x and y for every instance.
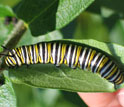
(53, 52)
(82, 57)
(58, 57)
(31, 53)
(86, 63)
(12, 57)
(17, 58)
(10, 62)
(106, 67)
(23, 54)
(109, 71)
(113, 78)
(6, 61)
(41, 52)
(73, 57)
(10, 53)
(46, 53)
(94, 61)
(99, 63)
(27, 57)
(34, 54)
(68, 54)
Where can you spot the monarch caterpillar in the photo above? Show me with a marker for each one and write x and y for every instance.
(68, 53)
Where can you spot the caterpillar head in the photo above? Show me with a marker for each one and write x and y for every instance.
(12, 59)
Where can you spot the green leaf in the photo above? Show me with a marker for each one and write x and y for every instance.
(115, 6)
(7, 95)
(10, 3)
(65, 78)
(44, 16)
(29, 39)
(6, 11)
(48, 76)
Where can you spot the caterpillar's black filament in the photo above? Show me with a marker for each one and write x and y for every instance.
(63, 53)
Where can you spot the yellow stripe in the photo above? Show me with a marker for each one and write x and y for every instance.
(91, 58)
(49, 52)
(12, 60)
(102, 64)
(65, 62)
(9, 53)
(17, 52)
(120, 79)
(6, 62)
(30, 57)
(20, 50)
(11, 64)
(36, 50)
(29, 54)
(51, 60)
(112, 72)
(39, 57)
(77, 55)
(63, 52)
(78, 64)
(19, 55)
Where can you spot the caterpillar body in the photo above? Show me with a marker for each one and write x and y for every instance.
(73, 55)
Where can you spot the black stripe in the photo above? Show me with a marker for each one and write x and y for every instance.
(76, 56)
(115, 73)
(89, 57)
(85, 57)
(19, 54)
(15, 58)
(71, 54)
(56, 53)
(24, 51)
(80, 54)
(120, 74)
(43, 51)
(60, 52)
(108, 69)
(8, 62)
(18, 51)
(32, 49)
(12, 62)
(118, 77)
(26, 57)
(28, 52)
(46, 52)
(98, 59)
(38, 46)
(51, 50)
(93, 58)
(105, 65)
(67, 47)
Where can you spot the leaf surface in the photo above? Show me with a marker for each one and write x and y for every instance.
(44, 16)
(7, 95)
(65, 78)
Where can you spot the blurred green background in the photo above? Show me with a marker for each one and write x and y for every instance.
(104, 26)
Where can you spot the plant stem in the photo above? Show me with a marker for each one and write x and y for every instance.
(12, 40)
(16, 35)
